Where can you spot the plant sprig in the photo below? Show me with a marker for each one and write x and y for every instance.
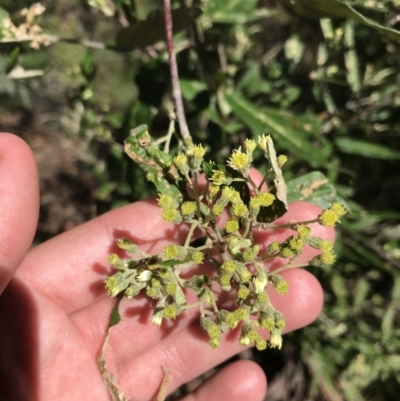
(240, 265)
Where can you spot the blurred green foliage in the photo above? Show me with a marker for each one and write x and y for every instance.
(326, 88)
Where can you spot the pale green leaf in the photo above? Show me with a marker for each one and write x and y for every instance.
(366, 149)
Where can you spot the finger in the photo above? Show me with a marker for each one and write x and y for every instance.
(187, 353)
(242, 380)
(19, 203)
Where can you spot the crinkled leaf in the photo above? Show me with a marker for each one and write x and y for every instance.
(152, 29)
(315, 188)
(163, 186)
(152, 160)
(285, 129)
(366, 149)
(342, 9)
(161, 158)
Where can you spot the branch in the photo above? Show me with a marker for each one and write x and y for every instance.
(176, 89)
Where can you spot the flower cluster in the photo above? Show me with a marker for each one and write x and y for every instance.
(225, 210)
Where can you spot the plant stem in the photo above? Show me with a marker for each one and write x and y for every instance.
(176, 88)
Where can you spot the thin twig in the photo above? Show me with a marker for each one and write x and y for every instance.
(176, 89)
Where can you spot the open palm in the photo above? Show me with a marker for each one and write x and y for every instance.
(54, 311)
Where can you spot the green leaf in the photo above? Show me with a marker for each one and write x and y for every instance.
(284, 127)
(234, 11)
(315, 188)
(115, 316)
(339, 8)
(190, 88)
(152, 29)
(366, 149)
(3, 14)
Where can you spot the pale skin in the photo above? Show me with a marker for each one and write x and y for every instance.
(54, 310)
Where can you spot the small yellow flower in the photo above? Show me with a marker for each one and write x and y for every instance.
(325, 246)
(171, 215)
(171, 251)
(327, 258)
(261, 344)
(250, 145)
(198, 151)
(241, 314)
(274, 247)
(239, 161)
(170, 311)
(225, 281)
(262, 142)
(286, 253)
(296, 244)
(214, 342)
(276, 339)
(217, 209)
(196, 154)
(166, 201)
(220, 178)
(231, 226)
(266, 322)
(115, 284)
(197, 257)
(281, 159)
(281, 287)
(262, 297)
(170, 288)
(244, 275)
(303, 232)
(188, 208)
(243, 292)
(328, 218)
(255, 204)
(229, 266)
(213, 191)
(229, 194)
(338, 208)
(157, 317)
(280, 323)
(240, 210)
(231, 319)
(180, 161)
(266, 199)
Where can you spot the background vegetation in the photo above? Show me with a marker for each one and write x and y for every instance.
(326, 88)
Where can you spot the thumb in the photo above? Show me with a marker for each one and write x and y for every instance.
(19, 203)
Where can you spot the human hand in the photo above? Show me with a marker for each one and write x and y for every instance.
(54, 316)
